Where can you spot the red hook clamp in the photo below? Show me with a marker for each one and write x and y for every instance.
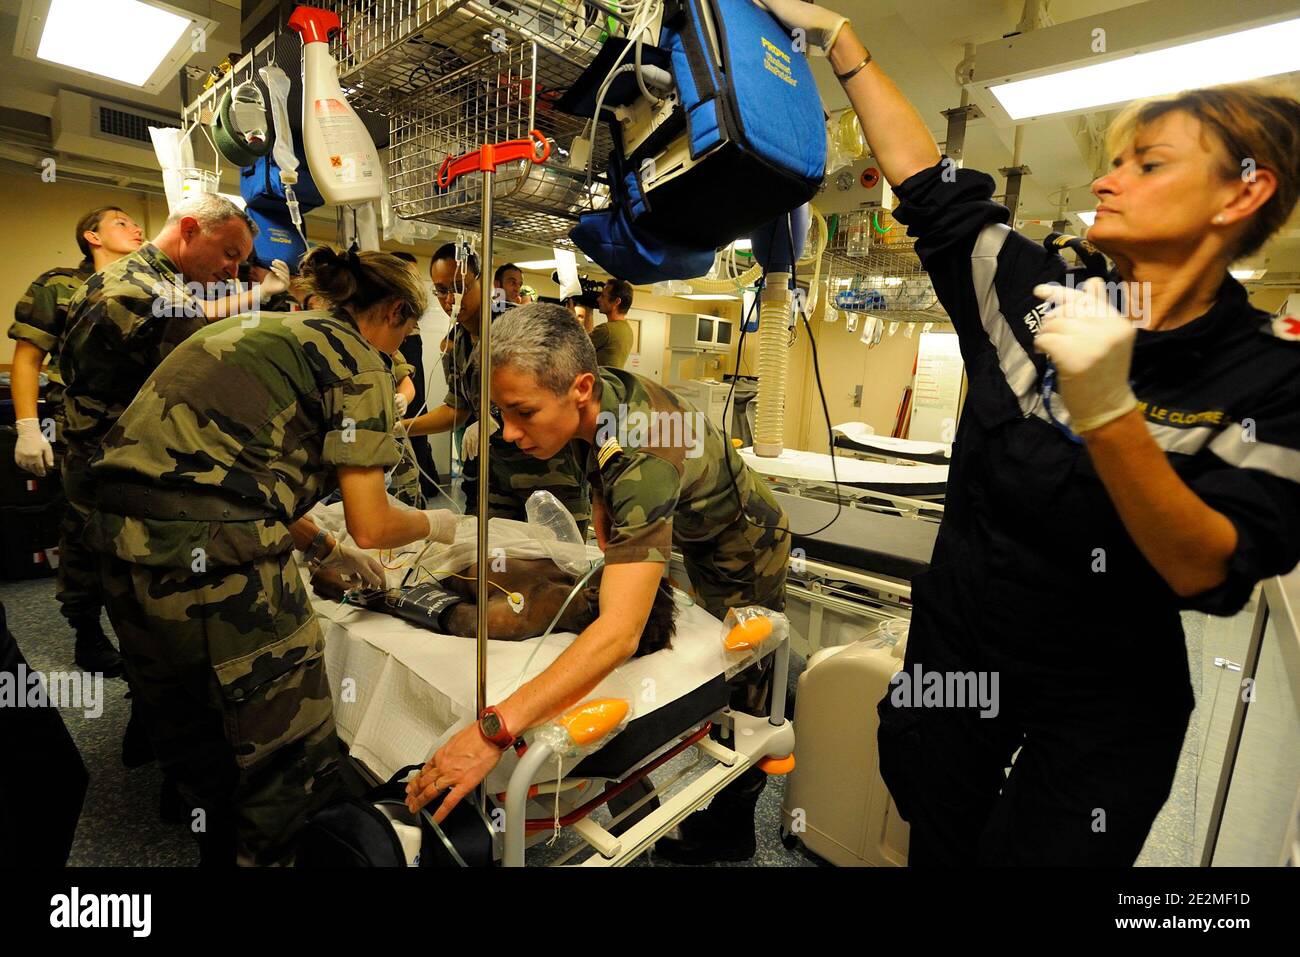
(489, 156)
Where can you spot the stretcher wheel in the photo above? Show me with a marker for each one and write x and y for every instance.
(788, 840)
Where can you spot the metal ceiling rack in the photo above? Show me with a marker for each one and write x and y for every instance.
(453, 75)
(201, 108)
(495, 99)
(873, 269)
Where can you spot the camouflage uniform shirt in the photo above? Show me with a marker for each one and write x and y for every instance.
(661, 468)
(259, 409)
(404, 480)
(121, 324)
(41, 316)
(460, 367)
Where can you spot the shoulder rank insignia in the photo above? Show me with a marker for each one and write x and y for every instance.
(607, 452)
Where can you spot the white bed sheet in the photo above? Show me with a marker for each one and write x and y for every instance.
(816, 467)
(861, 433)
(400, 690)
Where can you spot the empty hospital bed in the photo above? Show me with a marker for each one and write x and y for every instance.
(852, 574)
(858, 438)
(900, 488)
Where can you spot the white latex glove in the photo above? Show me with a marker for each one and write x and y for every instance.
(1092, 346)
(32, 453)
(442, 525)
(469, 441)
(820, 26)
(399, 402)
(276, 281)
(353, 563)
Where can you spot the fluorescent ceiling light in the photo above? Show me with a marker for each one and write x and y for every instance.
(1087, 217)
(537, 265)
(707, 296)
(1247, 275)
(123, 40)
(1243, 55)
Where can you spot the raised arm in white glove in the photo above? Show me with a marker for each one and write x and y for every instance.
(469, 441)
(32, 453)
(1092, 347)
(820, 26)
(442, 525)
(352, 563)
(276, 281)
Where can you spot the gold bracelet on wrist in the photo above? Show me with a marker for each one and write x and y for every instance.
(845, 77)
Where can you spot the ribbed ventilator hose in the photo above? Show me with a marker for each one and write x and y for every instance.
(773, 354)
(746, 278)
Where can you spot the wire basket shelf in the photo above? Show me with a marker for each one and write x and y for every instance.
(388, 50)
(872, 268)
(496, 99)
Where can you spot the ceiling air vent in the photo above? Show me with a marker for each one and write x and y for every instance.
(105, 130)
(130, 126)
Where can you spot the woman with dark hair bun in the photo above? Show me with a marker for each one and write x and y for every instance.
(204, 483)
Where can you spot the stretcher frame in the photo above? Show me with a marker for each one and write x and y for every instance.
(529, 808)
(753, 739)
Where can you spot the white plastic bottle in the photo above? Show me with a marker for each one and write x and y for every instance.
(340, 153)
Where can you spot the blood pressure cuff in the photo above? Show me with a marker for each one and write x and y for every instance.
(427, 605)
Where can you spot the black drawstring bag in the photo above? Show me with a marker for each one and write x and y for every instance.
(354, 832)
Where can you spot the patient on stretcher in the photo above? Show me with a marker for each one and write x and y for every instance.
(524, 600)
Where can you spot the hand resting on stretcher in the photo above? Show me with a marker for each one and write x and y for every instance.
(450, 605)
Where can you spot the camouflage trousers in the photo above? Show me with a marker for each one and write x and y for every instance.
(745, 564)
(230, 666)
(77, 585)
(514, 476)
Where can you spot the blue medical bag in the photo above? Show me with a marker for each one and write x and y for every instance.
(745, 144)
(263, 192)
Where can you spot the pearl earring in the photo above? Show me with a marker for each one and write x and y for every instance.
(1218, 219)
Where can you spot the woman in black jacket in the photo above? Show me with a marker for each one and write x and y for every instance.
(1119, 458)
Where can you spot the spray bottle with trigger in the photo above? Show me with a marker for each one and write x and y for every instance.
(340, 153)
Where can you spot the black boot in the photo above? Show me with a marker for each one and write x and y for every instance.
(724, 831)
(137, 749)
(94, 652)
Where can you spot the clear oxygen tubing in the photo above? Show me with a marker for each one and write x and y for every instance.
(773, 356)
(577, 587)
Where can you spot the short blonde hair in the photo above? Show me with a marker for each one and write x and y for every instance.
(1253, 122)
